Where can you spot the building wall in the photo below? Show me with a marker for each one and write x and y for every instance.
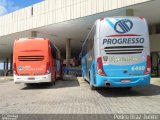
(55, 11)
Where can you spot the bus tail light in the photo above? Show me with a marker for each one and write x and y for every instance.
(47, 68)
(100, 69)
(148, 65)
(141, 17)
(15, 69)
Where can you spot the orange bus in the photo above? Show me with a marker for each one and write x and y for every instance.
(36, 60)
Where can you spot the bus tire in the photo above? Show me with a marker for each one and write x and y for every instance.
(85, 80)
(28, 84)
(55, 78)
(61, 77)
(54, 82)
(92, 87)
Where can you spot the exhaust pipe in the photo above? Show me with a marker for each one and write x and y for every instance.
(108, 84)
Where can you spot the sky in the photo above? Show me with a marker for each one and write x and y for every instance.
(7, 6)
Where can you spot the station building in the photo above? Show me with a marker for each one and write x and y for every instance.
(67, 22)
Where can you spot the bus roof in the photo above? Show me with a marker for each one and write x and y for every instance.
(34, 41)
(30, 44)
(32, 38)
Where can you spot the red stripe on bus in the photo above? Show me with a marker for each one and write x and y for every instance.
(121, 35)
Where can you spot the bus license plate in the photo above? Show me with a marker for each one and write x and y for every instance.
(31, 78)
(125, 81)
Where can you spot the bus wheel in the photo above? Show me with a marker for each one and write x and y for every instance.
(28, 84)
(85, 80)
(54, 83)
(51, 83)
(92, 87)
(55, 78)
(61, 77)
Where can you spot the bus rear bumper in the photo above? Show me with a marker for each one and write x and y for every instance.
(32, 79)
(102, 81)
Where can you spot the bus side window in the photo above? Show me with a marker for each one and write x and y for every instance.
(91, 39)
(57, 55)
(89, 42)
(84, 51)
(53, 53)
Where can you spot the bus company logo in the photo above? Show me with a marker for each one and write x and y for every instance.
(20, 67)
(123, 26)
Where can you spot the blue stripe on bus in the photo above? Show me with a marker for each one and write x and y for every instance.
(110, 23)
(117, 19)
(124, 26)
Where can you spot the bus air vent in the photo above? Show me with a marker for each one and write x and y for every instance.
(30, 58)
(123, 49)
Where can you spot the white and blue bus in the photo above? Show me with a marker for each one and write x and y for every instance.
(116, 53)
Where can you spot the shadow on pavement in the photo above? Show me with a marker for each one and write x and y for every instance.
(135, 91)
(59, 84)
